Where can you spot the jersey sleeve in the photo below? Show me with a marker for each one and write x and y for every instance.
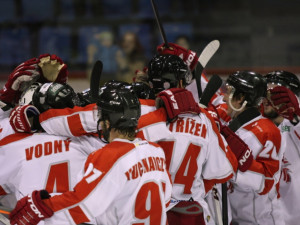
(152, 126)
(73, 122)
(265, 142)
(220, 164)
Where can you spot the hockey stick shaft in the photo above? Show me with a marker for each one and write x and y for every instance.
(206, 54)
(95, 79)
(212, 86)
(158, 21)
(4, 211)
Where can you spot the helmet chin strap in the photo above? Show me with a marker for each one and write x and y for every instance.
(230, 102)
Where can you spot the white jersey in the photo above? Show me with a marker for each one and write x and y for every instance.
(253, 195)
(196, 155)
(290, 175)
(79, 120)
(5, 128)
(41, 161)
(126, 182)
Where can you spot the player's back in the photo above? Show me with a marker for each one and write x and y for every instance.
(42, 161)
(135, 187)
(196, 157)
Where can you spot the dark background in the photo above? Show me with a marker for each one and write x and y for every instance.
(261, 35)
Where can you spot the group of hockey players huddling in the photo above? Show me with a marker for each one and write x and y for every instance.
(148, 152)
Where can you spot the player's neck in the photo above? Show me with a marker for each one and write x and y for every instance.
(117, 134)
(278, 120)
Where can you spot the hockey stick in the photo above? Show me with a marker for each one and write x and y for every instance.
(161, 29)
(214, 83)
(203, 59)
(95, 80)
(4, 212)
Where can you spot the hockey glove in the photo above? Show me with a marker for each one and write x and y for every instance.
(285, 102)
(21, 78)
(188, 56)
(240, 149)
(53, 69)
(177, 101)
(21, 118)
(31, 209)
(213, 112)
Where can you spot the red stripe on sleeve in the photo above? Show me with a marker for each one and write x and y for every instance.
(51, 113)
(75, 125)
(78, 215)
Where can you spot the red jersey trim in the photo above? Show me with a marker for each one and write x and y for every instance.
(51, 113)
(13, 137)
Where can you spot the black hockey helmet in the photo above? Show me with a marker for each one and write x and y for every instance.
(252, 85)
(142, 90)
(165, 71)
(284, 78)
(119, 104)
(54, 95)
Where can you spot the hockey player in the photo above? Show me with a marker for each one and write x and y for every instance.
(194, 146)
(253, 195)
(41, 160)
(126, 182)
(282, 107)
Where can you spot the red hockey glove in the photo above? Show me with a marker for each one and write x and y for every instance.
(22, 77)
(285, 102)
(53, 69)
(177, 101)
(188, 56)
(21, 116)
(31, 209)
(212, 110)
(240, 149)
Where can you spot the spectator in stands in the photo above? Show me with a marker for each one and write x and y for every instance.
(130, 58)
(103, 48)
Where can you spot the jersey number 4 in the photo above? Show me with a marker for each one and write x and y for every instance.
(58, 178)
(188, 167)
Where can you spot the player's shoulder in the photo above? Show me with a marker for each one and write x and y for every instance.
(147, 102)
(13, 138)
(262, 124)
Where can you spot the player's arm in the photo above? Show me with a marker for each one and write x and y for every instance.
(264, 170)
(75, 121)
(221, 163)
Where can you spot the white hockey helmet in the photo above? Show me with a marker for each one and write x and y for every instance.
(26, 97)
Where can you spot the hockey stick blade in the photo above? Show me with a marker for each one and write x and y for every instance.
(158, 21)
(212, 86)
(208, 52)
(203, 59)
(95, 79)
